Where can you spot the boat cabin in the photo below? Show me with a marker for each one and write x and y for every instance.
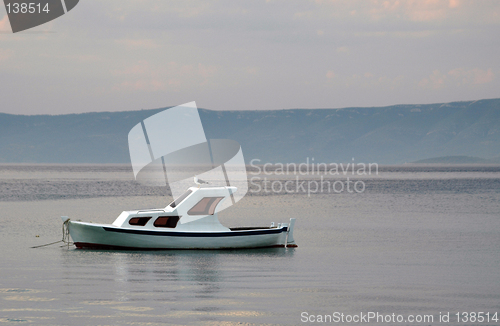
(195, 210)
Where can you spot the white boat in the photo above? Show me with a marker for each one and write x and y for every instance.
(189, 222)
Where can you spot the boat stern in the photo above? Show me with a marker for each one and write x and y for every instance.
(287, 239)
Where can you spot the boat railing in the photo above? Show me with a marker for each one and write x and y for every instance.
(150, 210)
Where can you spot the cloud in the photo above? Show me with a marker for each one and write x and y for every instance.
(427, 10)
(343, 49)
(454, 3)
(366, 80)
(457, 77)
(414, 10)
(4, 24)
(138, 43)
(380, 9)
(286, 51)
(474, 76)
(5, 54)
(435, 81)
(144, 76)
(398, 11)
(387, 82)
(330, 74)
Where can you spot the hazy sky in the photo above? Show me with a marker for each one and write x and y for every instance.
(115, 55)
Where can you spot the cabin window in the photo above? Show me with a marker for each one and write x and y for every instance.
(176, 202)
(166, 221)
(140, 221)
(206, 206)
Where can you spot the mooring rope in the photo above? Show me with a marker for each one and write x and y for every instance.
(65, 236)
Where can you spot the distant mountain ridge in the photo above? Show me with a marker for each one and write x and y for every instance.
(458, 160)
(384, 135)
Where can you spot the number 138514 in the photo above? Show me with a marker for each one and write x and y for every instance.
(27, 8)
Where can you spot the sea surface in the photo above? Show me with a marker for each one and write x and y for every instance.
(417, 241)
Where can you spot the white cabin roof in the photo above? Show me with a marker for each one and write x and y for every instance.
(195, 210)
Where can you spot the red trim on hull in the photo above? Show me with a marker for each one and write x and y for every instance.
(86, 245)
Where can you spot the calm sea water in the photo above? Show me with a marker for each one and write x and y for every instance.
(417, 241)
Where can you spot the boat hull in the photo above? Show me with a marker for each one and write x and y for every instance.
(100, 236)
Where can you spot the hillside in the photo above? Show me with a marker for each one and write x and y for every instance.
(458, 160)
(386, 135)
